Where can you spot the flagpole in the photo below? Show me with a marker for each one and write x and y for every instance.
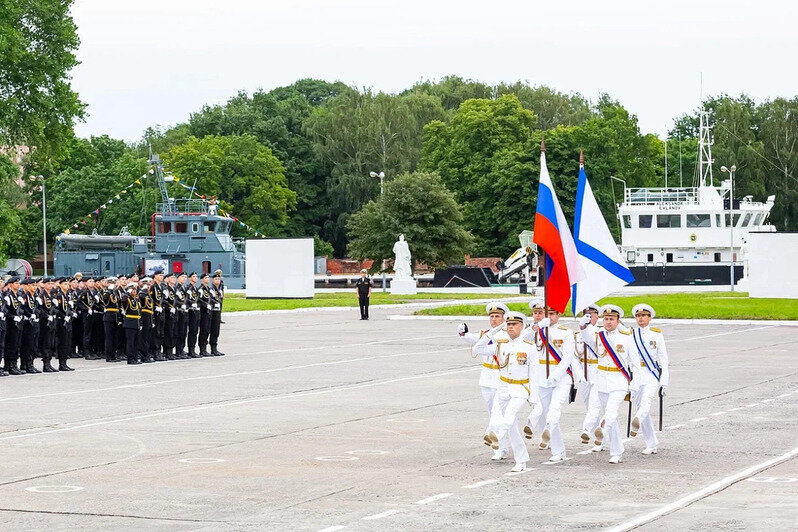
(581, 166)
(545, 297)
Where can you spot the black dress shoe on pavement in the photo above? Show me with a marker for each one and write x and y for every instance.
(217, 353)
(31, 369)
(63, 367)
(14, 371)
(49, 369)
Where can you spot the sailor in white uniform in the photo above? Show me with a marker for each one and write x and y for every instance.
(514, 355)
(538, 313)
(652, 376)
(589, 389)
(617, 355)
(554, 376)
(489, 381)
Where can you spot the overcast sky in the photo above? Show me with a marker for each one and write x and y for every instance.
(154, 62)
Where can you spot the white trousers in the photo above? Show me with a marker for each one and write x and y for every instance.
(643, 399)
(549, 413)
(489, 396)
(612, 402)
(504, 423)
(590, 396)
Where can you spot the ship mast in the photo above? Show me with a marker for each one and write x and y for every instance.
(169, 206)
(705, 150)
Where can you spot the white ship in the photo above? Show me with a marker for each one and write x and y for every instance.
(677, 236)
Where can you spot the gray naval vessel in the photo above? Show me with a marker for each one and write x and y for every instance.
(188, 235)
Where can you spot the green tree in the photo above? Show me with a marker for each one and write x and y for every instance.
(37, 104)
(418, 205)
(9, 217)
(241, 173)
(355, 134)
(452, 91)
(551, 108)
(778, 133)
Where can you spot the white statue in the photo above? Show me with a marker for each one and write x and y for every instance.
(401, 264)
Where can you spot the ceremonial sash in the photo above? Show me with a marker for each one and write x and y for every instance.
(646, 356)
(614, 356)
(552, 350)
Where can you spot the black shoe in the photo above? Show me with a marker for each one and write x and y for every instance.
(22, 371)
(62, 366)
(205, 353)
(134, 362)
(31, 369)
(14, 371)
(217, 353)
(192, 354)
(3, 373)
(48, 368)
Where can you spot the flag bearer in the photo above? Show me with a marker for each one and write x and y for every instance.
(617, 355)
(554, 376)
(489, 381)
(652, 378)
(514, 355)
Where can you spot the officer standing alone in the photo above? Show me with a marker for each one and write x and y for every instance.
(364, 285)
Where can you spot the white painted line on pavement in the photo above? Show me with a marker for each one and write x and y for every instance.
(702, 493)
(717, 413)
(736, 409)
(480, 484)
(332, 528)
(434, 498)
(238, 402)
(672, 427)
(380, 516)
(767, 400)
(783, 395)
(752, 405)
(696, 420)
(516, 473)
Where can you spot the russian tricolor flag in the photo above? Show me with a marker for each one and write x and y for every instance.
(563, 267)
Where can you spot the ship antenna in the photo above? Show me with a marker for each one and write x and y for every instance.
(705, 150)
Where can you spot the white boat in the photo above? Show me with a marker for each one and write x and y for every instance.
(690, 235)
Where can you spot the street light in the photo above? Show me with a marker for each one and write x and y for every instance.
(731, 171)
(381, 175)
(44, 220)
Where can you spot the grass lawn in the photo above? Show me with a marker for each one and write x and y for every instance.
(237, 302)
(707, 305)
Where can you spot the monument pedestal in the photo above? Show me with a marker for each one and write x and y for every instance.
(403, 286)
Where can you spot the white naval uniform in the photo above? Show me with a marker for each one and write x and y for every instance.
(514, 360)
(489, 381)
(645, 386)
(555, 392)
(589, 390)
(613, 385)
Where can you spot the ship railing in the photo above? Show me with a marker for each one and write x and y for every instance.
(240, 244)
(184, 205)
(660, 196)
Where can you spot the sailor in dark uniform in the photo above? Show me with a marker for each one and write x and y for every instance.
(77, 286)
(119, 341)
(63, 322)
(86, 305)
(156, 291)
(47, 326)
(170, 317)
(147, 328)
(13, 326)
(110, 303)
(181, 306)
(206, 307)
(192, 298)
(130, 309)
(30, 326)
(216, 313)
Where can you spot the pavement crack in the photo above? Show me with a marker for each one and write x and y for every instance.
(124, 516)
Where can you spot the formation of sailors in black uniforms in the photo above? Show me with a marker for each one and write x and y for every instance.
(168, 316)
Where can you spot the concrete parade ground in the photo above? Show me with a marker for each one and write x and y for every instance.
(320, 421)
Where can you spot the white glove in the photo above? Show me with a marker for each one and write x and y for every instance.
(462, 329)
(550, 382)
(545, 322)
(584, 321)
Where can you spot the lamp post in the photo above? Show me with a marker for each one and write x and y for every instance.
(381, 175)
(44, 220)
(731, 222)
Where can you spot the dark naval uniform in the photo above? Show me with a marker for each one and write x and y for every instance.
(206, 306)
(47, 328)
(181, 327)
(216, 319)
(158, 320)
(169, 321)
(110, 302)
(63, 327)
(192, 298)
(147, 329)
(30, 330)
(13, 326)
(131, 312)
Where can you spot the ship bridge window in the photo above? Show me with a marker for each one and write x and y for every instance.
(627, 221)
(210, 227)
(644, 221)
(669, 220)
(717, 220)
(164, 227)
(181, 227)
(736, 218)
(758, 219)
(195, 227)
(698, 220)
(746, 220)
